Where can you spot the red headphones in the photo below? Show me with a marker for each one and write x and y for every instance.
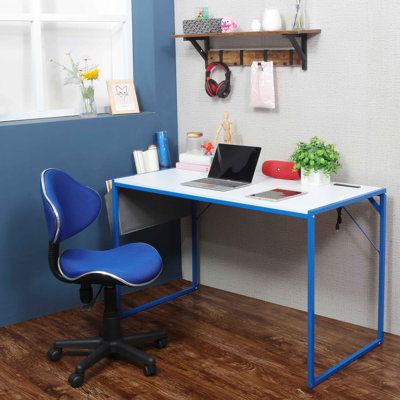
(213, 88)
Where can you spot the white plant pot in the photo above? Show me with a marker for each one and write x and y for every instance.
(315, 178)
(272, 20)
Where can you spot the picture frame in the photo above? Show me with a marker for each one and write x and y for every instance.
(122, 95)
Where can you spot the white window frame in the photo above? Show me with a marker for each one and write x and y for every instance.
(121, 44)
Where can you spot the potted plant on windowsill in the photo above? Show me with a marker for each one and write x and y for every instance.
(317, 161)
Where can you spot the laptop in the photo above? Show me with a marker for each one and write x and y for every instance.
(233, 166)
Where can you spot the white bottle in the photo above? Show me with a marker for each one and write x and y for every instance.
(272, 20)
(256, 25)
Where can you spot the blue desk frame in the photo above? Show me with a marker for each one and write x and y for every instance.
(312, 379)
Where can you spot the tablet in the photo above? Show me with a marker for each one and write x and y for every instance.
(276, 195)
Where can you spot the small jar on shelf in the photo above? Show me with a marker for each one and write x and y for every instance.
(193, 142)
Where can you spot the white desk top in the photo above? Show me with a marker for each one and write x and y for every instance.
(317, 199)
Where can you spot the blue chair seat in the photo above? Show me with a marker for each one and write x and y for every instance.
(134, 264)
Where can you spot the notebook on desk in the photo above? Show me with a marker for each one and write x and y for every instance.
(233, 167)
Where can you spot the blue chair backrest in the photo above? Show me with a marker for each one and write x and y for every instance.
(69, 206)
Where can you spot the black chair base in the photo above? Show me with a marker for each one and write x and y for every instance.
(110, 343)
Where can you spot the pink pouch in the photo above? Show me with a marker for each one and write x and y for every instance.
(262, 85)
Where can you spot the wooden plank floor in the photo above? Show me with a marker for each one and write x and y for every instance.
(221, 346)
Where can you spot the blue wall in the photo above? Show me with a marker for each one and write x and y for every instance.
(92, 150)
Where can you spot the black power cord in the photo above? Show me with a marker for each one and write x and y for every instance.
(339, 218)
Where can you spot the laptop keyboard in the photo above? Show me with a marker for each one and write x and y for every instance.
(215, 184)
(220, 182)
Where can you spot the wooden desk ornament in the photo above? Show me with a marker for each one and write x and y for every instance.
(227, 127)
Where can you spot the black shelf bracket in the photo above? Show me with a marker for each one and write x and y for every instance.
(199, 49)
(301, 48)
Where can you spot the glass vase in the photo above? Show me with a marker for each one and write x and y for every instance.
(300, 17)
(88, 105)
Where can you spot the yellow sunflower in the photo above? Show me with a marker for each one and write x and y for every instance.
(90, 75)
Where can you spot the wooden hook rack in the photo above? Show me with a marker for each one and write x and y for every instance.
(281, 58)
(297, 56)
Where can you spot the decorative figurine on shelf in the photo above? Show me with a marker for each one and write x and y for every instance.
(229, 25)
(227, 127)
(202, 13)
(208, 148)
(199, 14)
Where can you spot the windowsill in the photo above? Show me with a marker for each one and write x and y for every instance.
(74, 118)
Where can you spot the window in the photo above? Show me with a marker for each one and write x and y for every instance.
(32, 32)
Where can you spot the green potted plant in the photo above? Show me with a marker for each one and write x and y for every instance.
(317, 161)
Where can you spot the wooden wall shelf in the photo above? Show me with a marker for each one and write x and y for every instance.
(292, 57)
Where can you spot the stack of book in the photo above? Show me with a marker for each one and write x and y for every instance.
(194, 162)
(146, 161)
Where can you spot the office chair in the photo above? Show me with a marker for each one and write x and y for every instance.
(69, 208)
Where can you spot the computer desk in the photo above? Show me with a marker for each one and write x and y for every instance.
(317, 201)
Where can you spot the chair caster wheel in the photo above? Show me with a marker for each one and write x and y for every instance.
(76, 380)
(160, 343)
(54, 354)
(149, 370)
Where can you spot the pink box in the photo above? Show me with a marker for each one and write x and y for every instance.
(192, 167)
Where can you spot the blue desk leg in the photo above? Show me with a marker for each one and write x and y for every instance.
(115, 213)
(382, 262)
(195, 245)
(116, 233)
(313, 380)
(179, 293)
(311, 300)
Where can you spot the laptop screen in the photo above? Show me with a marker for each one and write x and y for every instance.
(235, 163)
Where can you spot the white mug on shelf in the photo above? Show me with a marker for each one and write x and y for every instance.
(272, 20)
(256, 25)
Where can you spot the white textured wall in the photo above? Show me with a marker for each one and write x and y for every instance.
(350, 96)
